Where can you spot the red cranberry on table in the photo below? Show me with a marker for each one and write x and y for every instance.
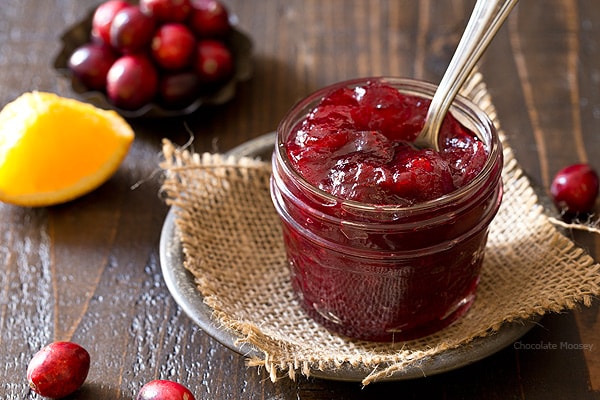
(131, 82)
(167, 10)
(209, 18)
(574, 189)
(164, 390)
(173, 46)
(214, 62)
(58, 369)
(103, 17)
(91, 62)
(131, 30)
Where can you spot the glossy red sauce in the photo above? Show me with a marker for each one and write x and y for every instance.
(357, 145)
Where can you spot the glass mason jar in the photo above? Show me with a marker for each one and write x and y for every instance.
(386, 272)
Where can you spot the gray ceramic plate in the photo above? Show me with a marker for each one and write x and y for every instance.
(181, 285)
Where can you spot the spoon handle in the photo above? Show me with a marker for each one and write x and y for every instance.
(487, 17)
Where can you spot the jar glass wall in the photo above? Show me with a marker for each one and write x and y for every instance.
(386, 272)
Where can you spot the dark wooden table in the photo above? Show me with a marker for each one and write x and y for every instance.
(89, 270)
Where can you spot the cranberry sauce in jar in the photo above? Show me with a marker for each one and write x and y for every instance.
(385, 241)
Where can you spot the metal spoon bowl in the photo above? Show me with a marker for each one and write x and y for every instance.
(487, 17)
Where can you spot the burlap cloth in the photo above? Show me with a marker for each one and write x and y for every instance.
(232, 244)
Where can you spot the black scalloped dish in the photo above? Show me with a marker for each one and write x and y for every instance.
(79, 34)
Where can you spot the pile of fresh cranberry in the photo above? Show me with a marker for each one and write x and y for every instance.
(164, 51)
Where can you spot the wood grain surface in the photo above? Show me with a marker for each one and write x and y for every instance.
(89, 270)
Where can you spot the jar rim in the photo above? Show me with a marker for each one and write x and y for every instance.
(411, 86)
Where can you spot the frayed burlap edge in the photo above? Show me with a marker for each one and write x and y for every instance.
(232, 245)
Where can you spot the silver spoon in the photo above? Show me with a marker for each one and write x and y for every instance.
(487, 17)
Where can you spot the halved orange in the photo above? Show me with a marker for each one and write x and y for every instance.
(54, 149)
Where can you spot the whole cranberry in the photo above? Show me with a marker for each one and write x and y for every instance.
(209, 19)
(214, 62)
(103, 17)
(58, 369)
(180, 89)
(164, 390)
(173, 46)
(574, 189)
(131, 30)
(167, 10)
(90, 63)
(131, 81)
